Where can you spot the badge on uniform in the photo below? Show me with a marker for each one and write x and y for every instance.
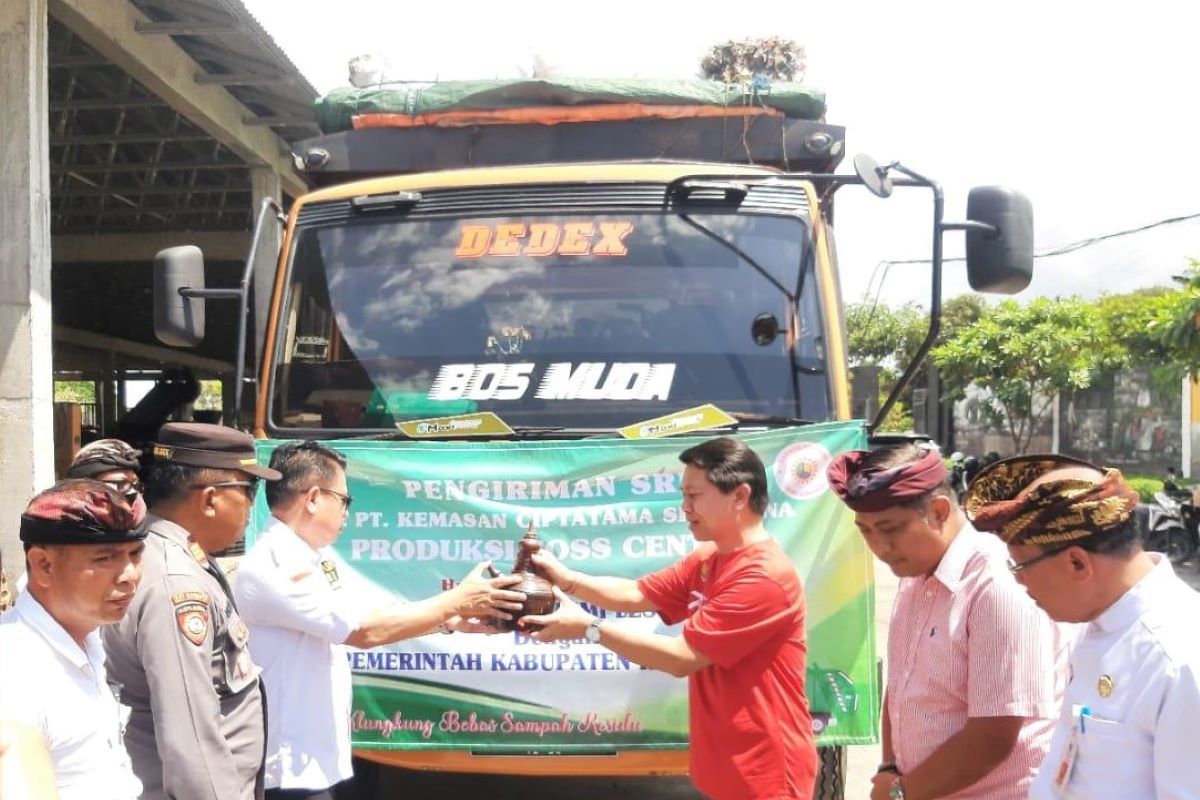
(197, 553)
(238, 631)
(191, 615)
(1105, 685)
(330, 570)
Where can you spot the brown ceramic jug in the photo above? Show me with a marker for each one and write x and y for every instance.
(539, 591)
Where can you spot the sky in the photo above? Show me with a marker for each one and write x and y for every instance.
(1090, 112)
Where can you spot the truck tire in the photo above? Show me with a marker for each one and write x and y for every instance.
(831, 774)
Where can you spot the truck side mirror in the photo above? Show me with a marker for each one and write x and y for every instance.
(1000, 260)
(178, 320)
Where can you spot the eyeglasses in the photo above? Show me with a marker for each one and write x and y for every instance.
(249, 488)
(125, 487)
(1016, 566)
(345, 498)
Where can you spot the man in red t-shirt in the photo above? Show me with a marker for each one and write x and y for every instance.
(742, 648)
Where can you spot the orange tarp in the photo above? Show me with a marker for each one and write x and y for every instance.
(553, 115)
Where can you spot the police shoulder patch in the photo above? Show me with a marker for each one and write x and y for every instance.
(191, 615)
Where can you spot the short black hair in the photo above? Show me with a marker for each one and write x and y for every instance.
(169, 480)
(728, 463)
(303, 465)
(907, 453)
(1121, 541)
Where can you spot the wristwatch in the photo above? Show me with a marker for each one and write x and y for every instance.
(896, 790)
(592, 631)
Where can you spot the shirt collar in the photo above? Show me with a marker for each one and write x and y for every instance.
(953, 566)
(178, 535)
(168, 530)
(1138, 598)
(39, 619)
(286, 542)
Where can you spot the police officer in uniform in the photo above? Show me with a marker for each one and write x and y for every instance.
(197, 728)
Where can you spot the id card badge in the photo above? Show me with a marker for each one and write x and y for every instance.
(1066, 765)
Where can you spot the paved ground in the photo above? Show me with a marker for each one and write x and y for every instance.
(862, 760)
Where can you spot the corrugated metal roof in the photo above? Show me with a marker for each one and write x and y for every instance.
(123, 160)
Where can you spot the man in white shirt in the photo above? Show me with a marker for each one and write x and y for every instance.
(83, 549)
(1127, 721)
(302, 604)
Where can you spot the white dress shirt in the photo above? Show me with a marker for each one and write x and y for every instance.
(49, 683)
(1131, 709)
(301, 604)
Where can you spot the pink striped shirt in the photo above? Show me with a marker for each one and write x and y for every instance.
(967, 641)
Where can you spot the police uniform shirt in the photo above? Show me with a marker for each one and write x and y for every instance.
(196, 731)
(50, 684)
(301, 604)
(1128, 719)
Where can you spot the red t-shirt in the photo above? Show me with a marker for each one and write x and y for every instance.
(750, 731)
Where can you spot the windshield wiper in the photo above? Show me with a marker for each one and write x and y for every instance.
(740, 253)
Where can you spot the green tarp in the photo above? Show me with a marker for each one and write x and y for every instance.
(336, 110)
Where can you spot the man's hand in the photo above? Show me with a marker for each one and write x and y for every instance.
(558, 574)
(881, 784)
(478, 596)
(568, 622)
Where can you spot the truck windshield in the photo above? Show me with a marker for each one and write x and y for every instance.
(563, 321)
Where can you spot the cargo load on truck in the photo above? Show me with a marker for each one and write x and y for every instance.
(394, 129)
(457, 103)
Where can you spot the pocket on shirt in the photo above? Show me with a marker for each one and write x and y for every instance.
(1111, 753)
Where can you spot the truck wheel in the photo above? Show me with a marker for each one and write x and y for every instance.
(831, 777)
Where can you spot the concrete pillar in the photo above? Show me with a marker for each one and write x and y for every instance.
(26, 378)
(264, 182)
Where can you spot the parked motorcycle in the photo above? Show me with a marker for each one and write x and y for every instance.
(964, 468)
(1171, 524)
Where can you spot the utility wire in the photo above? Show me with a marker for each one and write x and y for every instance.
(1073, 246)
(1054, 251)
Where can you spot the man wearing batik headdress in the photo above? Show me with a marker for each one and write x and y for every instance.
(1127, 723)
(975, 672)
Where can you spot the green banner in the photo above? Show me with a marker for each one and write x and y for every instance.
(425, 513)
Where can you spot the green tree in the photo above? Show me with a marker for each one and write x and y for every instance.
(890, 337)
(883, 336)
(74, 392)
(1023, 356)
(1134, 324)
(1181, 331)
